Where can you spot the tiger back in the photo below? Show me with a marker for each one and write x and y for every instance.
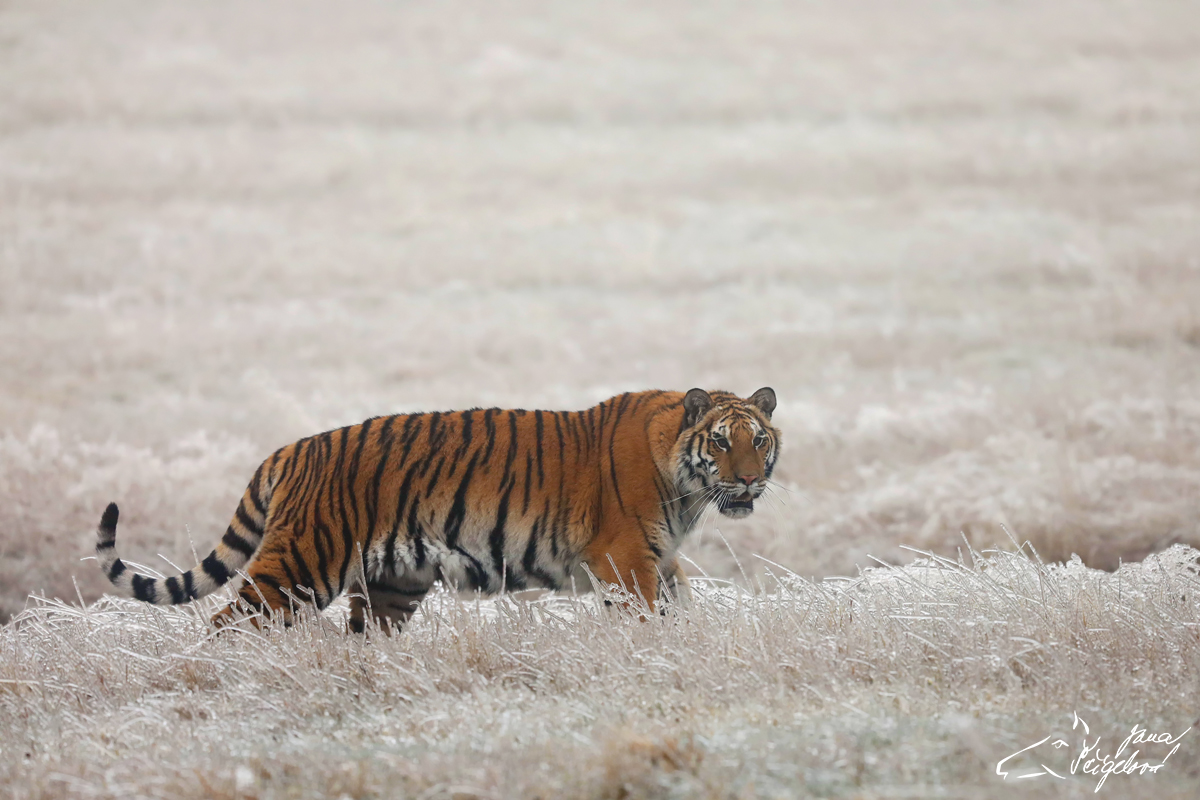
(485, 499)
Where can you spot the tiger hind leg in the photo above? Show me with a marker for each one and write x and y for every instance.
(270, 594)
(391, 604)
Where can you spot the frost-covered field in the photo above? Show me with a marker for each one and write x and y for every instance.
(907, 681)
(960, 240)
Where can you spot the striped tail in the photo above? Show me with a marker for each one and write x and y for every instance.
(233, 552)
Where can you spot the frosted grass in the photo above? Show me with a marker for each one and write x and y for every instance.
(906, 679)
(959, 241)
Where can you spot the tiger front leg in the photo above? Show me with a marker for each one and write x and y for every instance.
(629, 565)
(675, 585)
(390, 603)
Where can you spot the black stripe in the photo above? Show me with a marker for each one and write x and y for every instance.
(512, 445)
(654, 548)
(645, 397)
(232, 540)
(401, 502)
(664, 499)
(612, 466)
(489, 423)
(348, 486)
(529, 560)
(110, 544)
(310, 482)
(271, 465)
(306, 576)
(437, 472)
(289, 468)
(435, 429)
(625, 398)
(417, 536)
(435, 440)
(116, 569)
(143, 588)
(324, 452)
(432, 452)
(574, 431)
(175, 591)
(475, 572)
(537, 415)
(562, 447)
(386, 439)
(291, 576)
(581, 434)
(339, 473)
(412, 429)
(254, 496)
(458, 511)
(270, 583)
(497, 537)
(559, 530)
(528, 481)
(468, 418)
(247, 523)
(355, 463)
(306, 479)
(551, 528)
(562, 471)
(321, 530)
(290, 465)
(215, 568)
(189, 585)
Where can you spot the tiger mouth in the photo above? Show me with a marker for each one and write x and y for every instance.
(735, 506)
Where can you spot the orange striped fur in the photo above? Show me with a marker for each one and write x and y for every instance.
(489, 500)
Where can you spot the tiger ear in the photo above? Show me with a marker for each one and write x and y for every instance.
(696, 403)
(764, 400)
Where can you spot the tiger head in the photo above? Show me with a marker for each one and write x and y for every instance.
(727, 449)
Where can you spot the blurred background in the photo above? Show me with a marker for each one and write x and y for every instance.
(960, 240)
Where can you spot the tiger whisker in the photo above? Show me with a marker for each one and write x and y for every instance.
(781, 486)
(772, 502)
(704, 499)
(689, 494)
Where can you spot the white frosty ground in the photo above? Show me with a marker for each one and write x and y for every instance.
(910, 681)
(959, 239)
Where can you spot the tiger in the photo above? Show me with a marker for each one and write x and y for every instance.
(489, 500)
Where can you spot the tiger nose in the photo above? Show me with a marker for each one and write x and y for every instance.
(748, 479)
